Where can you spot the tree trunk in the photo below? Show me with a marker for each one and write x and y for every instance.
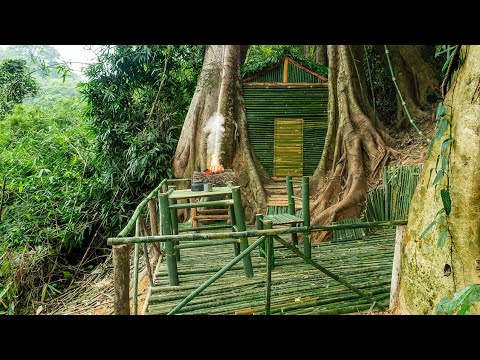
(355, 150)
(417, 78)
(424, 279)
(321, 55)
(306, 51)
(219, 90)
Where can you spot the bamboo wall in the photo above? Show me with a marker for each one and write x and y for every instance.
(265, 103)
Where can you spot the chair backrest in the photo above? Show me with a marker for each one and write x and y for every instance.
(304, 198)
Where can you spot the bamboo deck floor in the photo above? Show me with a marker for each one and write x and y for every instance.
(297, 288)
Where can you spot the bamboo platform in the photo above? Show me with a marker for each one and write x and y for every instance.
(297, 288)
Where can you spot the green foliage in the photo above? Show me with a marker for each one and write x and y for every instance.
(137, 99)
(462, 300)
(49, 159)
(16, 83)
(261, 56)
(446, 200)
(41, 60)
(379, 81)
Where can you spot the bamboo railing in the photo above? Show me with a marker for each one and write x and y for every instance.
(121, 256)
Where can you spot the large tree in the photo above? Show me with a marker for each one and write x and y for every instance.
(447, 257)
(355, 150)
(219, 90)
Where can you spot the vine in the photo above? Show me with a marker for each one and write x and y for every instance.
(443, 158)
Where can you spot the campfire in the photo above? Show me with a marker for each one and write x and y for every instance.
(215, 173)
(215, 166)
(215, 178)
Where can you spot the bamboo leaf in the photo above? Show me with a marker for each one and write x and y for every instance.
(441, 220)
(429, 176)
(438, 177)
(442, 125)
(441, 110)
(446, 200)
(445, 144)
(436, 163)
(427, 229)
(463, 298)
(44, 292)
(442, 238)
(444, 163)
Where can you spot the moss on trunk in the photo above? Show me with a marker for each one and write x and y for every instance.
(423, 282)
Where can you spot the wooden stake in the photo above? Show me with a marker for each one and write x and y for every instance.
(135, 269)
(285, 70)
(121, 275)
(397, 265)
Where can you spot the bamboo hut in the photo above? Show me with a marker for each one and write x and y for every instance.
(286, 104)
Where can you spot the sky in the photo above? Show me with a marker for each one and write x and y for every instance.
(78, 54)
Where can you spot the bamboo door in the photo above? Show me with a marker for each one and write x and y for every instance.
(288, 147)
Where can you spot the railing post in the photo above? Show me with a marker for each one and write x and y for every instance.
(270, 264)
(231, 209)
(291, 206)
(135, 268)
(121, 279)
(240, 222)
(174, 219)
(169, 246)
(397, 265)
(307, 247)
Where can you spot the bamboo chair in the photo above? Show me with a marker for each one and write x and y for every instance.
(290, 218)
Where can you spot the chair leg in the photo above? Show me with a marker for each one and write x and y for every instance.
(261, 247)
(294, 236)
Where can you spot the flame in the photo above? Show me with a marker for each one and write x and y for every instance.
(215, 166)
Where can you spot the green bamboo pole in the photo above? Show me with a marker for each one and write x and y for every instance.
(203, 204)
(307, 247)
(240, 224)
(270, 260)
(197, 244)
(206, 227)
(404, 104)
(174, 220)
(259, 223)
(147, 263)
(169, 246)
(139, 209)
(135, 269)
(291, 206)
(233, 223)
(250, 233)
(328, 272)
(217, 275)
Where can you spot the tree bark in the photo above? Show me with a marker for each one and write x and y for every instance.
(320, 55)
(417, 77)
(219, 90)
(355, 150)
(423, 281)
